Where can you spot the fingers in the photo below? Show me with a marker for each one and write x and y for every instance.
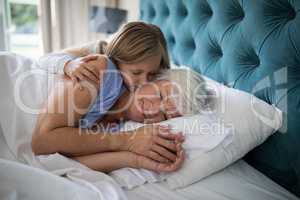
(90, 76)
(82, 75)
(165, 143)
(155, 156)
(164, 152)
(162, 167)
(178, 149)
(76, 82)
(93, 69)
(179, 138)
(162, 128)
(166, 134)
(90, 58)
(173, 166)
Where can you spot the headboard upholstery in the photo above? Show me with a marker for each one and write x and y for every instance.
(251, 45)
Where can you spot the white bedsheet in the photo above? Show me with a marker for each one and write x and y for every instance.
(237, 182)
(19, 181)
(5, 152)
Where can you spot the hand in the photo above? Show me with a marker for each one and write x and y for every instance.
(86, 68)
(155, 142)
(147, 163)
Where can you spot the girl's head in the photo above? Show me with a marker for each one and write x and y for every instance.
(140, 52)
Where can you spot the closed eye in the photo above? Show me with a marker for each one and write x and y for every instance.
(137, 72)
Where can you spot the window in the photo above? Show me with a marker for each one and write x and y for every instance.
(23, 27)
(105, 19)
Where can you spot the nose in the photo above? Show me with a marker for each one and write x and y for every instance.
(142, 80)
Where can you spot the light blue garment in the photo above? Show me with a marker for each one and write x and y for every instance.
(55, 62)
(111, 88)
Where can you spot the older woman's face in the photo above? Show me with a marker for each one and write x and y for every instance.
(155, 102)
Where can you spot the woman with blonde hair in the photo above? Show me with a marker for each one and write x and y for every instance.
(133, 57)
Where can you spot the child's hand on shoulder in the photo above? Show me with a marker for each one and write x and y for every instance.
(87, 68)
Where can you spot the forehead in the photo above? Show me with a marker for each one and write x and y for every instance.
(156, 87)
(151, 88)
(149, 64)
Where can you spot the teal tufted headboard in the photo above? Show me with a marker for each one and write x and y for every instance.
(251, 45)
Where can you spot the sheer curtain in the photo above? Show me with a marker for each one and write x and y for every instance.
(3, 27)
(64, 23)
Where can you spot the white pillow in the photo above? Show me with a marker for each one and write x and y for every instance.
(246, 120)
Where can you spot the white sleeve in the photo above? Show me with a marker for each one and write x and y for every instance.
(55, 62)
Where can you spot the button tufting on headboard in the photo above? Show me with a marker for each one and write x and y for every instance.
(171, 40)
(281, 9)
(183, 11)
(165, 11)
(235, 11)
(251, 45)
(151, 12)
(190, 44)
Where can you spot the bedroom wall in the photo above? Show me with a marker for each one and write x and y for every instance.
(132, 8)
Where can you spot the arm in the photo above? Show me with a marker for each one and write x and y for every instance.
(56, 62)
(90, 48)
(107, 162)
(56, 126)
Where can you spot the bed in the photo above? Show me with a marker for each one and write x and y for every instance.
(231, 41)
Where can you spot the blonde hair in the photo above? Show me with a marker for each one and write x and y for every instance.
(192, 87)
(137, 41)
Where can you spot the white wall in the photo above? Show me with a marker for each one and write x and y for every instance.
(132, 7)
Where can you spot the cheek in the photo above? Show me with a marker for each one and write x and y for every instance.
(135, 113)
(129, 80)
(151, 107)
